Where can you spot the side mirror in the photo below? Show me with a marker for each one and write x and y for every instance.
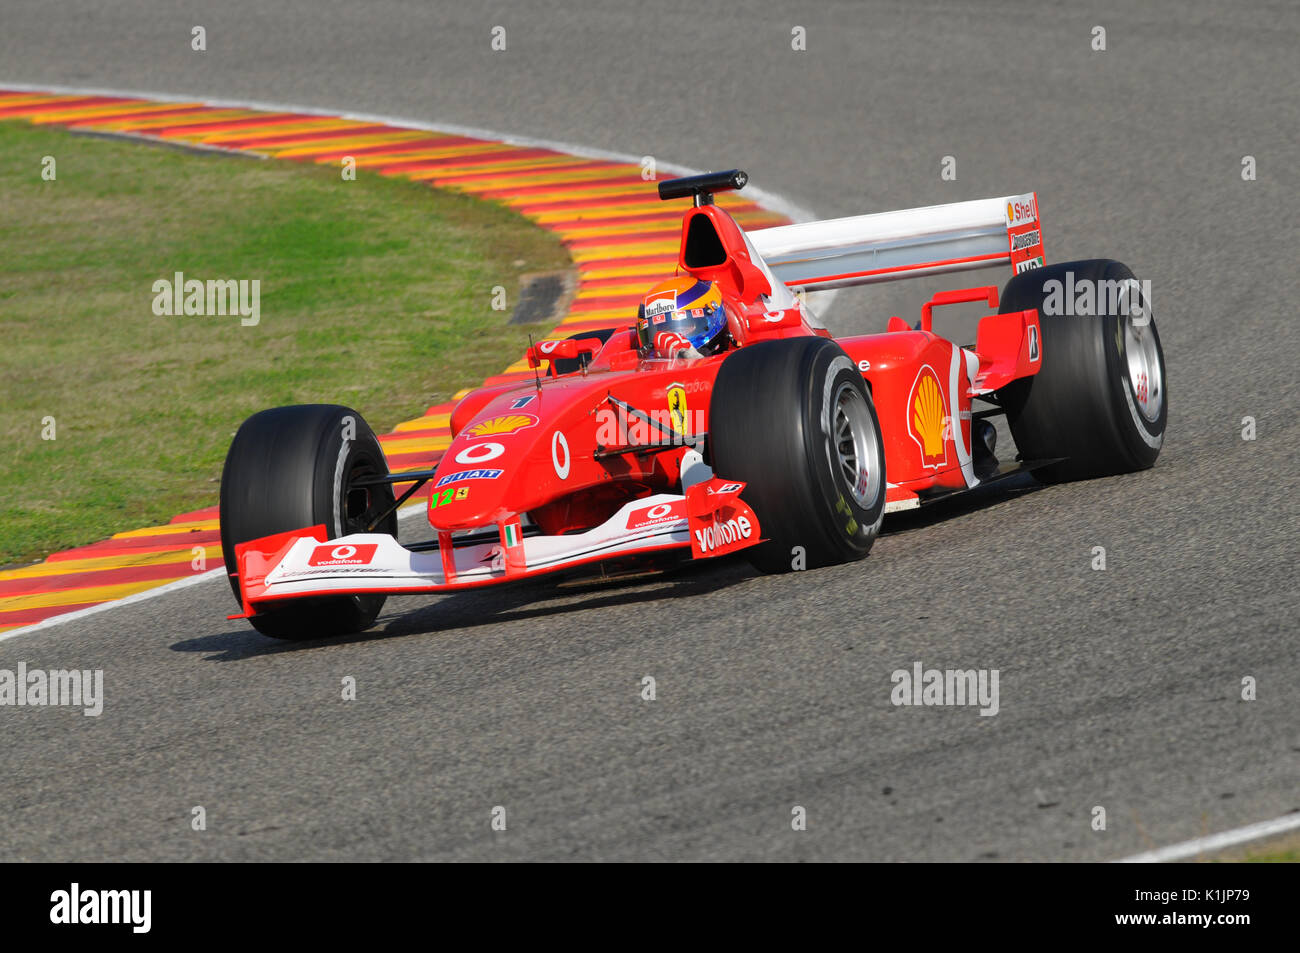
(567, 349)
(961, 295)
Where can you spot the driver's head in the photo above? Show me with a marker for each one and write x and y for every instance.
(683, 316)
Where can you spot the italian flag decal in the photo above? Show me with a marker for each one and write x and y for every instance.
(512, 535)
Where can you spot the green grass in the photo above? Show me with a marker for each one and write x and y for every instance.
(1284, 849)
(1276, 857)
(375, 293)
(1280, 850)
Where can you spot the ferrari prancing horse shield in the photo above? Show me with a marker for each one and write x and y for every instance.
(677, 406)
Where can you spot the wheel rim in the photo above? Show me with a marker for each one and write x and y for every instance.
(361, 505)
(855, 445)
(1144, 374)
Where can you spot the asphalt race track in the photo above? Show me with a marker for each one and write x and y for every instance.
(1119, 688)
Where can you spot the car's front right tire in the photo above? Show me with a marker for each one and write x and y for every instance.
(294, 467)
(794, 420)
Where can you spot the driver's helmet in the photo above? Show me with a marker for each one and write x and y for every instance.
(683, 315)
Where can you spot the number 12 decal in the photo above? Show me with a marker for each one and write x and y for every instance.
(447, 495)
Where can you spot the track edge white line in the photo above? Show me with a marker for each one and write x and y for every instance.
(404, 513)
(1215, 842)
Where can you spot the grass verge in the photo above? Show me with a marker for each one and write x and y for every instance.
(376, 293)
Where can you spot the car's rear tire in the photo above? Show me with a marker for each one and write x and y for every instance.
(791, 418)
(1099, 399)
(571, 365)
(292, 467)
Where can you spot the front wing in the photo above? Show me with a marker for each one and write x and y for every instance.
(710, 519)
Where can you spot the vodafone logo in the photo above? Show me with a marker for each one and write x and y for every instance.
(560, 452)
(480, 453)
(723, 534)
(546, 347)
(345, 554)
(657, 515)
(773, 317)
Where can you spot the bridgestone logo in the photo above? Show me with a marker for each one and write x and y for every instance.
(1027, 240)
(289, 575)
(723, 534)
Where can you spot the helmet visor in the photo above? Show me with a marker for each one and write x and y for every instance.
(701, 326)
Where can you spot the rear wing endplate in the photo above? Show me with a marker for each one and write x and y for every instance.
(888, 246)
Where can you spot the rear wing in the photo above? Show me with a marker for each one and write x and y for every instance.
(887, 246)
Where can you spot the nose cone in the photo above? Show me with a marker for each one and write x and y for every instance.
(532, 446)
(516, 453)
(482, 466)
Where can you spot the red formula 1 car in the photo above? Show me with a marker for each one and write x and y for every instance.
(788, 445)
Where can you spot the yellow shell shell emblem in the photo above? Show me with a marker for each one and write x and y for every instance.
(498, 426)
(677, 407)
(928, 417)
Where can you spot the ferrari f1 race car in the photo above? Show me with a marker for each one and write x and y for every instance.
(786, 444)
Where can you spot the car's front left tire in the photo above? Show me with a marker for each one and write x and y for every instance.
(1099, 402)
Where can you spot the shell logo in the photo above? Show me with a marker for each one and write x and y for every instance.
(927, 418)
(501, 426)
